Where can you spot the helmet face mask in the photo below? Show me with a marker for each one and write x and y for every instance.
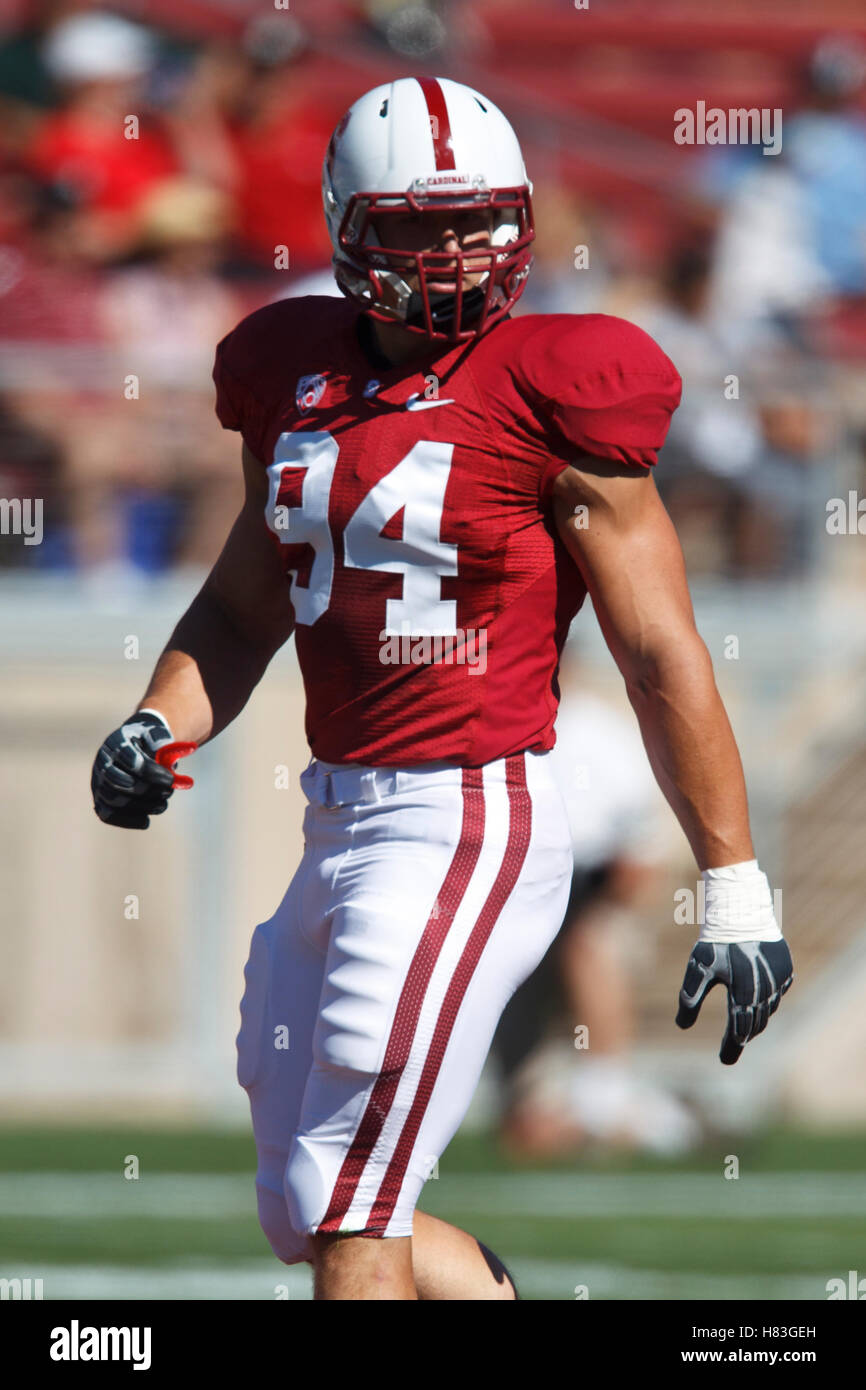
(441, 295)
(400, 280)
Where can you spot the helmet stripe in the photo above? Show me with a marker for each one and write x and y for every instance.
(440, 126)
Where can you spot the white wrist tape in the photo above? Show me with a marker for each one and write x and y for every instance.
(738, 905)
(159, 714)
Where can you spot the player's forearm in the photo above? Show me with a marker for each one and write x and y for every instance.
(693, 753)
(207, 671)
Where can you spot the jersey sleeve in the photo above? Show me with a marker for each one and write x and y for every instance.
(237, 405)
(602, 387)
(229, 393)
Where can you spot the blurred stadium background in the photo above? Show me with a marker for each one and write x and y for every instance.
(122, 262)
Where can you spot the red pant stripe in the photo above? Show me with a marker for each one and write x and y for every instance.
(519, 830)
(408, 1011)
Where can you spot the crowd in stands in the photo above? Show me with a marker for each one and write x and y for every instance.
(150, 175)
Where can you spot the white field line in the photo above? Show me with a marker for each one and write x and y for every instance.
(684, 1195)
(558, 1279)
(688, 1196)
(552, 1280)
(207, 1279)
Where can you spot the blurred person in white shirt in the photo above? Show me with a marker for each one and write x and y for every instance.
(582, 992)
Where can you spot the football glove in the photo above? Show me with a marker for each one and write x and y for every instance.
(128, 784)
(756, 975)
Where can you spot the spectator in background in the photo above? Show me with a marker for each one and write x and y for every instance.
(156, 487)
(47, 286)
(169, 306)
(714, 442)
(565, 223)
(825, 144)
(100, 63)
(279, 138)
(26, 80)
(738, 473)
(792, 232)
(766, 273)
(586, 980)
(202, 101)
(414, 28)
(32, 466)
(251, 120)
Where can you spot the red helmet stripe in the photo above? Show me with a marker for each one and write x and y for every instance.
(440, 126)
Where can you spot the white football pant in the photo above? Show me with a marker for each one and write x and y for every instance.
(424, 898)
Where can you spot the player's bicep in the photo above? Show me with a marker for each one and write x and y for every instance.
(617, 530)
(248, 580)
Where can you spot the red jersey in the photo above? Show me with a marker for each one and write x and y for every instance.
(412, 508)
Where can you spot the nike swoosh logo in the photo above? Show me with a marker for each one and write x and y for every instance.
(415, 403)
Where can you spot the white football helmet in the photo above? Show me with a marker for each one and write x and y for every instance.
(427, 144)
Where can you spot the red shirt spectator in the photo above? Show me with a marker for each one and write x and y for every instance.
(280, 152)
(105, 170)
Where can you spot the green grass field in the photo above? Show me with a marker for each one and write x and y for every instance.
(625, 1227)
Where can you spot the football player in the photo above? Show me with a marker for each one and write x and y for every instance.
(432, 489)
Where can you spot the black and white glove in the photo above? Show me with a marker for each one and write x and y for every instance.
(756, 975)
(128, 784)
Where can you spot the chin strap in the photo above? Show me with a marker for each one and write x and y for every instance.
(442, 308)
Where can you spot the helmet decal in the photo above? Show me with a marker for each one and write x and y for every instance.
(440, 126)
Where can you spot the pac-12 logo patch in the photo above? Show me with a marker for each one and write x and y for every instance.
(308, 392)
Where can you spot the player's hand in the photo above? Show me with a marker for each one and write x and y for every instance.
(128, 784)
(756, 974)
